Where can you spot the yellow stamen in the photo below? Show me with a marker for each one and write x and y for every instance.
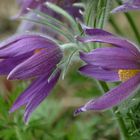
(37, 50)
(124, 75)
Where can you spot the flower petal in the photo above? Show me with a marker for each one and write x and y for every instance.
(37, 65)
(113, 97)
(32, 4)
(111, 39)
(13, 39)
(29, 92)
(25, 45)
(40, 96)
(109, 57)
(127, 6)
(8, 64)
(113, 53)
(100, 73)
(92, 31)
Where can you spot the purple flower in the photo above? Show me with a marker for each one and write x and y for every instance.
(67, 5)
(39, 4)
(127, 6)
(119, 62)
(30, 56)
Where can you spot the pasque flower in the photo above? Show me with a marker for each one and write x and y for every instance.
(39, 4)
(30, 56)
(25, 5)
(127, 6)
(119, 62)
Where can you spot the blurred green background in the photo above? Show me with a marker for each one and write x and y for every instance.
(53, 119)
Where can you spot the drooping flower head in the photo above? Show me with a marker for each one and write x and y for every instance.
(129, 5)
(39, 4)
(30, 56)
(119, 62)
(67, 5)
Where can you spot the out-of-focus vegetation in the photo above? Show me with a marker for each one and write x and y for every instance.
(8, 9)
(54, 120)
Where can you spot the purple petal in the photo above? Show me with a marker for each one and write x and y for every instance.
(40, 96)
(24, 45)
(29, 92)
(127, 6)
(100, 73)
(112, 53)
(111, 59)
(32, 4)
(111, 39)
(91, 31)
(8, 64)
(136, 2)
(14, 39)
(113, 97)
(74, 11)
(38, 64)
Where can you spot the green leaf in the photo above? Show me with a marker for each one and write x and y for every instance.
(62, 12)
(51, 26)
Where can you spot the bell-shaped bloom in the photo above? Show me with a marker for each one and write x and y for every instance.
(129, 5)
(30, 56)
(120, 61)
(39, 4)
(67, 5)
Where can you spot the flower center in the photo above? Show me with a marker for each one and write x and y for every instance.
(124, 75)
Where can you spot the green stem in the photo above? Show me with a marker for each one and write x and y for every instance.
(133, 25)
(117, 115)
(104, 14)
(102, 21)
(122, 126)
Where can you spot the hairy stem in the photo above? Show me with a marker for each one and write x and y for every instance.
(117, 115)
(104, 86)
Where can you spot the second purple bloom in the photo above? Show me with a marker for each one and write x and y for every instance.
(119, 62)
